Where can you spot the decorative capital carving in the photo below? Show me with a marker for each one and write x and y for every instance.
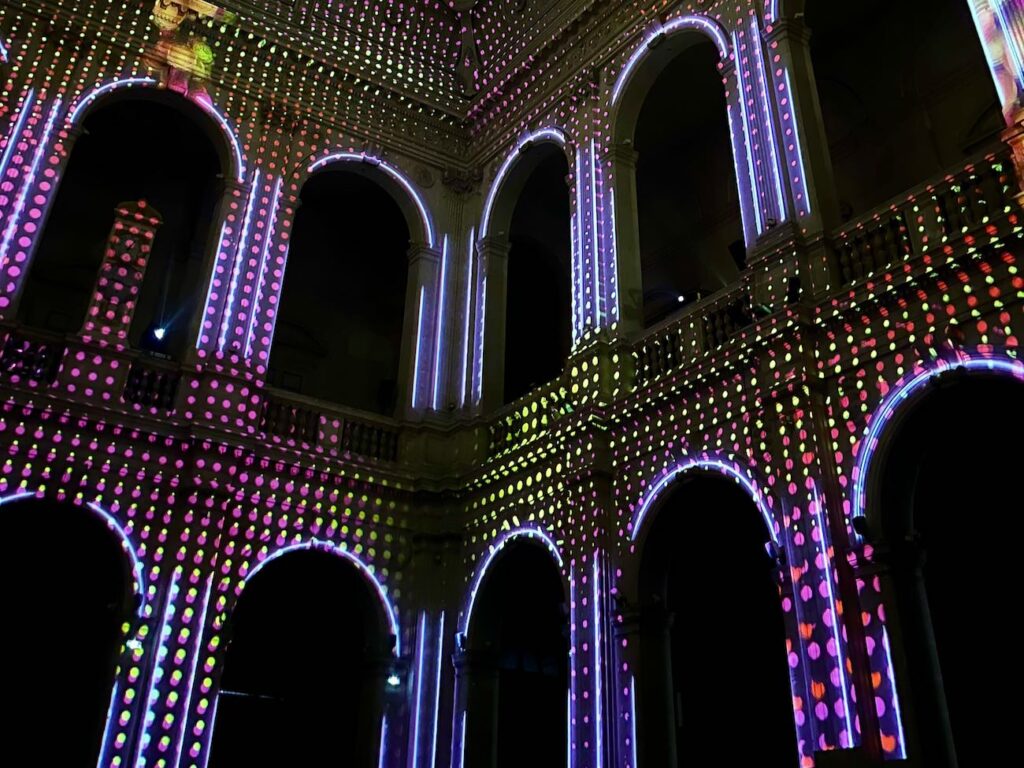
(462, 182)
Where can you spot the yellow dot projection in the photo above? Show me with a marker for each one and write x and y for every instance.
(776, 384)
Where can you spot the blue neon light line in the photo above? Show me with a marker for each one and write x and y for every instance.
(382, 751)
(91, 96)
(419, 690)
(798, 147)
(268, 236)
(747, 142)
(155, 675)
(470, 281)
(758, 54)
(19, 127)
(29, 180)
(596, 242)
(241, 248)
(632, 720)
(190, 681)
(552, 134)
(440, 321)
(437, 691)
(598, 671)
(419, 349)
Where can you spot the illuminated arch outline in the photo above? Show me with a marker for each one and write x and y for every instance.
(393, 173)
(713, 464)
(543, 134)
(901, 394)
(528, 532)
(138, 571)
(89, 97)
(5, 53)
(701, 24)
(319, 545)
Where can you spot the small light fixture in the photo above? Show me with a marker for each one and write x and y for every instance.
(159, 333)
(394, 680)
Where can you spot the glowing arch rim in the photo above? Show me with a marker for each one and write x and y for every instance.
(551, 133)
(5, 54)
(394, 173)
(527, 532)
(698, 23)
(721, 466)
(899, 395)
(88, 97)
(320, 545)
(138, 571)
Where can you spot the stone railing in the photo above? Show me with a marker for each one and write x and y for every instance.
(31, 358)
(303, 423)
(529, 415)
(949, 207)
(152, 384)
(704, 326)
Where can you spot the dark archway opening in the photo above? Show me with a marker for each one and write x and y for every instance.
(688, 207)
(66, 609)
(303, 680)
(538, 318)
(905, 93)
(155, 147)
(339, 329)
(519, 639)
(714, 678)
(950, 514)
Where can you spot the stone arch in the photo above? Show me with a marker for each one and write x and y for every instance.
(220, 132)
(391, 178)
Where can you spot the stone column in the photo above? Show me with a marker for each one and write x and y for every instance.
(656, 705)
(492, 260)
(415, 366)
(116, 293)
(476, 674)
(623, 158)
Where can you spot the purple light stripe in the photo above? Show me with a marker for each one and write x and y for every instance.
(19, 127)
(598, 671)
(419, 349)
(241, 247)
(748, 145)
(632, 720)
(552, 134)
(437, 691)
(616, 305)
(758, 54)
(199, 630)
(29, 180)
(383, 749)
(482, 328)
(88, 98)
(154, 676)
(439, 332)
(419, 690)
(798, 147)
(902, 752)
(470, 281)
(268, 237)
(579, 297)
(596, 254)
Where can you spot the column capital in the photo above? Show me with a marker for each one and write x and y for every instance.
(623, 154)
(792, 28)
(494, 246)
(421, 251)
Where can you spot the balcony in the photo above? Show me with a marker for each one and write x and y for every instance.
(31, 358)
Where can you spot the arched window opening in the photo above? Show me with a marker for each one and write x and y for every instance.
(688, 206)
(905, 93)
(947, 510)
(154, 147)
(538, 322)
(340, 326)
(68, 604)
(518, 665)
(305, 668)
(713, 653)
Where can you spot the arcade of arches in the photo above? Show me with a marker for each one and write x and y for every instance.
(496, 384)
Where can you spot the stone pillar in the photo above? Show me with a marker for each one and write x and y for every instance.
(476, 674)
(623, 158)
(415, 366)
(626, 667)
(114, 298)
(223, 267)
(789, 53)
(656, 703)
(492, 259)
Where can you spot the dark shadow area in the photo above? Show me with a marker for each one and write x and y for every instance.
(339, 330)
(66, 604)
(155, 147)
(950, 509)
(905, 93)
(520, 630)
(688, 207)
(306, 641)
(714, 678)
(538, 319)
